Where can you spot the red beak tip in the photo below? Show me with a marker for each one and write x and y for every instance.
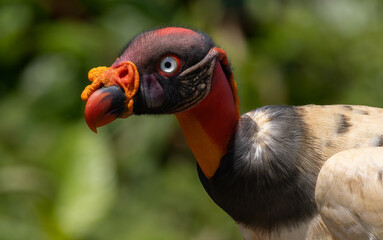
(92, 127)
(94, 130)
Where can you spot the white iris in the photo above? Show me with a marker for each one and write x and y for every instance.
(169, 65)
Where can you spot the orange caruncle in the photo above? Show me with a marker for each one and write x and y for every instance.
(125, 75)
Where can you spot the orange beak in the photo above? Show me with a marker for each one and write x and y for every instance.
(110, 95)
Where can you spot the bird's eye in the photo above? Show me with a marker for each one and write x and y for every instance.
(170, 65)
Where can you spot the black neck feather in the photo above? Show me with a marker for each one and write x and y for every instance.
(267, 178)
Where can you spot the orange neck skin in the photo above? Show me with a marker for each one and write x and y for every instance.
(208, 127)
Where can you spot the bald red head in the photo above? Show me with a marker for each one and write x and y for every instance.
(172, 30)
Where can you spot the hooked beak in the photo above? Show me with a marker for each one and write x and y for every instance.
(104, 106)
(110, 95)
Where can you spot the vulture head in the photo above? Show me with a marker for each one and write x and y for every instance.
(164, 71)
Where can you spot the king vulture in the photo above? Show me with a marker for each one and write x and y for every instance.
(281, 172)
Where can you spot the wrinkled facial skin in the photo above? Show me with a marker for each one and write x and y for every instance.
(159, 93)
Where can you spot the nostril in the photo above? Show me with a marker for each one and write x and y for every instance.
(123, 73)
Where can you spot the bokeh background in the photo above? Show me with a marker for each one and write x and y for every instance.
(136, 179)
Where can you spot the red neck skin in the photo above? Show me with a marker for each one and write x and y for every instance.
(208, 126)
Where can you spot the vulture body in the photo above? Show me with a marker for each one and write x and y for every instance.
(262, 167)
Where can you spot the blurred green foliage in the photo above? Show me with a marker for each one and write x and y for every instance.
(136, 179)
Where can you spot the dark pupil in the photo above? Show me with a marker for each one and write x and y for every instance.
(168, 64)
